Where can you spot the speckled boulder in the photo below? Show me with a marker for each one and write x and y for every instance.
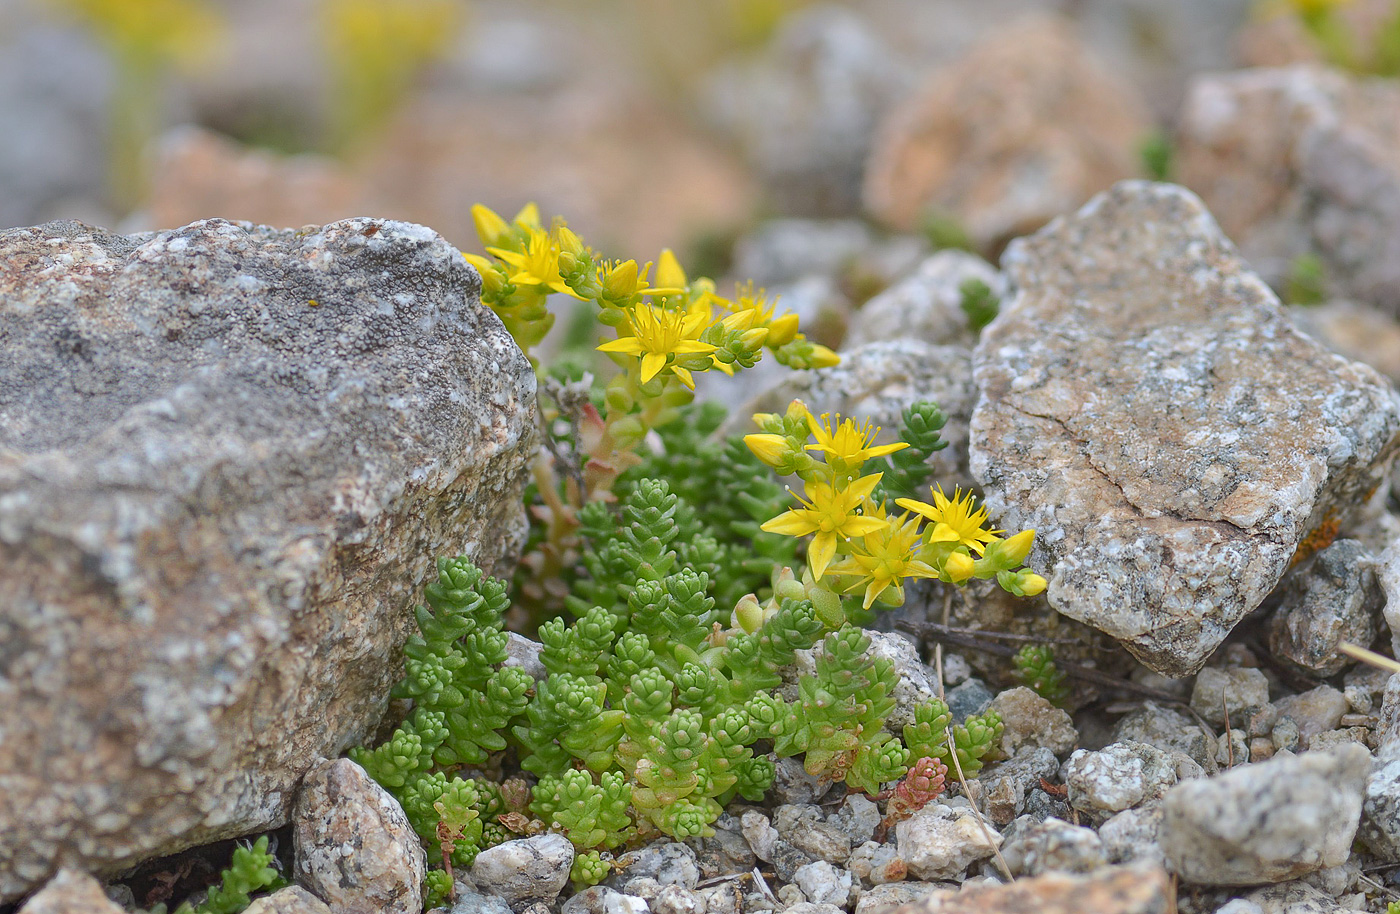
(1173, 440)
(229, 456)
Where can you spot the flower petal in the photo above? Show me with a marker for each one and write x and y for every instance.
(820, 553)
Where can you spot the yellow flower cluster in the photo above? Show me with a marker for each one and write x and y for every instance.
(670, 330)
(150, 32)
(854, 538)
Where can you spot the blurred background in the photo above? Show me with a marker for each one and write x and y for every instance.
(647, 123)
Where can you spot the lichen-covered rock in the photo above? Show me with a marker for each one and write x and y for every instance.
(803, 828)
(1332, 599)
(1065, 129)
(1123, 775)
(1110, 890)
(1266, 822)
(927, 304)
(228, 458)
(354, 847)
(71, 892)
(1301, 160)
(525, 871)
(1380, 813)
(1148, 410)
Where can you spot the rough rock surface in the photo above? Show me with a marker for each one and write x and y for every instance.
(354, 846)
(1052, 845)
(1266, 822)
(1301, 160)
(71, 892)
(1031, 721)
(1122, 775)
(926, 305)
(1334, 598)
(1110, 890)
(939, 842)
(228, 458)
(1168, 433)
(1065, 130)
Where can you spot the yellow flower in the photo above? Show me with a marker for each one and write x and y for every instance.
(885, 558)
(846, 442)
(771, 449)
(658, 335)
(957, 513)
(669, 273)
(538, 265)
(490, 227)
(829, 513)
(959, 567)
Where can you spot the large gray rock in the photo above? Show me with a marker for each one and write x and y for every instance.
(229, 456)
(1266, 822)
(1168, 433)
(1300, 160)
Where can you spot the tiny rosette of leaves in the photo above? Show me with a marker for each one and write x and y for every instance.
(1035, 667)
(252, 869)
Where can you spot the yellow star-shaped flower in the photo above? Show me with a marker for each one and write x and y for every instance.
(659, 335)
(829, 513)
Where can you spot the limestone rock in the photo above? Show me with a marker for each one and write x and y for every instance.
(1064, 130)
(886, 899)
(1123, 775)
(1031, 721)
(1110, 890)
(1233, 692)
(1168, 730)
(71, 892)
(1314, 711)
(1266, 822)
(927, 304)
(228, 458)
(1334, 598)
(354, 846)
(1051, 845)
(1151, 414)
(1301, 160)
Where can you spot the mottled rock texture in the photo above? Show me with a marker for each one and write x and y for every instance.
(71, 892)
(228, 458)
(354, 846)
(291, 900)
(1334, 598)
(1301, 160)
(1064, 129)
(1174, 441)
(1110, 890)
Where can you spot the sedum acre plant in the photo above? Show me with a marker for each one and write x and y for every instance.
(660, 574)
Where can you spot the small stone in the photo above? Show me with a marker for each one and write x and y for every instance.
(1122, 775)
(1133, 889)
(1313, 711)
(1260, 748)
(1329, 739)
(877, 864)
(787, 860)
(1284, 735)
(729, 898)
(1168, 730)
(643, 887)
(724, 852)
(760, 834)
(927, 306)
(1041, 805)
(1389, 717)
(803, 828)
(808, 907)
(791, 896)
(587, 901)
(940, 842)
(1234, 691)
(1260, 721)
(823, 883)
(675, 899)
(616, 903)
(669, 863)
(354, 847)
(1288, 898)
(71, 892)
(970, 698)
(523, 653)
(956, 669)
(1131, 836)
(1268, 822)
(1030, 720)
(792, 784)
(292, 900)
(1142, 438)
(857, 818)
(473, 902)
(1053, 845)
(886, 899)
(1010, 782)
(1232, 748)
(525, 870)
(1333, 598)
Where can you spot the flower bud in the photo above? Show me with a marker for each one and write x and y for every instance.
(787, 587)
(823, 357)
(620, 283)
(669, 274)
(959, 567)
(748, 614)
(753, 339)
(1032, 584)
(1010, 553)
(782, 330)
(490, 228)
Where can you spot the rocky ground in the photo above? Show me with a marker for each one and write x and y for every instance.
(229, 453)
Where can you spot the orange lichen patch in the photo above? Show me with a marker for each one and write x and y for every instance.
(1320, 537)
